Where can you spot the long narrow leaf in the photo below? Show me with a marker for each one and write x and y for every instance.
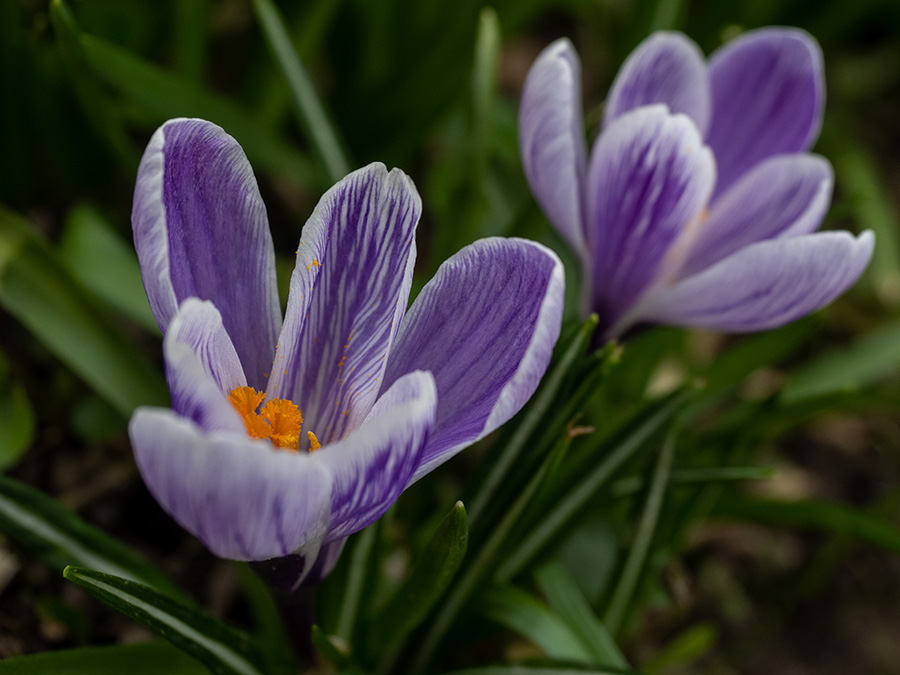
(483, 562)
(309, 108)
(88, 237)
(150, 658)
(165, 95)
(567, 600)
(58, 537)
(425, 584)
(522, 613)
(579, 492)
(529, 420)
(36, 288)
(821, 515)
(640, 548)
(222, 649)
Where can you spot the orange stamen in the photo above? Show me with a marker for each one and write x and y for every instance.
(279, 421)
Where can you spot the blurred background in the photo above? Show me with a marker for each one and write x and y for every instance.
(789, 564)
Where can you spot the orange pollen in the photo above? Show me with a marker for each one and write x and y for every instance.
(279, 420)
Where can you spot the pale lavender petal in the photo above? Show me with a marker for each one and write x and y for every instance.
(650, 177)
(665, 68)
(765, 285)
(195, 393)
(783, 196)
(200, 229)
(198, 324)
(244, 499)
(348, 293)
(485, 327)
(373, 465)
(768, 96)
(551, 139)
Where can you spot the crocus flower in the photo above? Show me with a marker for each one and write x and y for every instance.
(698, 205)
(287, 436)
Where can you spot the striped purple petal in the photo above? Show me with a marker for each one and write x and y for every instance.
(650, 177)
(200, 229)
(348, 294)
(668, 68)
(242, 498)
(374, 464)
(764, 285)
(485, 327)
(783, 196)
(768, 97)
(551, 139)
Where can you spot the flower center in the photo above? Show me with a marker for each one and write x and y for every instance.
(278, 421)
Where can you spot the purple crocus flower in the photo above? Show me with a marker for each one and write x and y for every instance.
(699, 204)
(284, 437)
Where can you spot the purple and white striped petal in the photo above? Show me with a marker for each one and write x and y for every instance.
(198, 324)
(768, 97)
(242, 498)
(783, 196)
(668, 68)
(374, 464)
(196, 394)
(485, 327)
(551, 139)
(348, 294)
(200, 229)
(650, 177)
(764, 285)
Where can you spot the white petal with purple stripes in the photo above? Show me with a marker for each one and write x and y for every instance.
(667, 68)
(242, 498)
(485, 327)
(764, 285)
(551, 139)
(200, 229)
(348, 292)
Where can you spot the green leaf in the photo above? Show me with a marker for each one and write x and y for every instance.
(576, 487)
(426, 583)
(140, 659)
(36, 288)
(520, 612)
(869, 359)
(164, 95)
(640, 548)
(363, 545)
(567, 600)
(683, 650)
(529, 420)
(484, 561)
(102, 116)
(58, 537)
(222, 649)
(17, 419)
(311, 113)
(87, 237)
(828, 516)
(269, 627)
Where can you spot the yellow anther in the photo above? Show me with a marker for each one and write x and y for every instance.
(313, 441)
(279, 421)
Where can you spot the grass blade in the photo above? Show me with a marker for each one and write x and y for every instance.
(58, 537)
(219, 647)
(311, 113)
(149, 658)
(567, 600)
(640, 548)
(36, 288)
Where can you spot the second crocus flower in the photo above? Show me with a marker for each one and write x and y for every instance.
(699, 204)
